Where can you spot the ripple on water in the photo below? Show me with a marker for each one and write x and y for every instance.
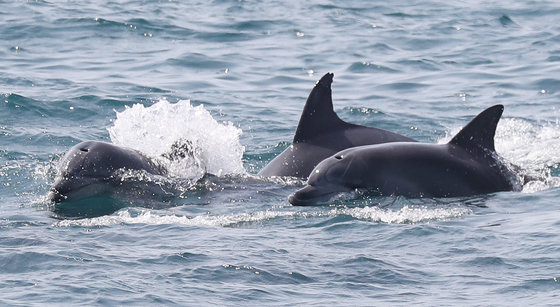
(25, 262)
(529, 286)
(368, 67)
(548, 85)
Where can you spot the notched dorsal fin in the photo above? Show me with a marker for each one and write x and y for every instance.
(318, 114)
(478, 135)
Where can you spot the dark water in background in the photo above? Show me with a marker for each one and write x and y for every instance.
(69, 70)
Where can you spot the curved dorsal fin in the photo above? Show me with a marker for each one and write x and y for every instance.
(318, 114)
(478, 135)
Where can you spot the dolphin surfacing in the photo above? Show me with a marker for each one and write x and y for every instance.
(321, 133)
(467, 165)
(88, 169)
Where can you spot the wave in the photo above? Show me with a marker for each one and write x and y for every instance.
(405, 215)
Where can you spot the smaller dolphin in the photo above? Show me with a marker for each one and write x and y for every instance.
(467, 165)
(88, 169)
(321, 133)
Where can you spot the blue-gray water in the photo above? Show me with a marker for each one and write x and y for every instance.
(419, 68)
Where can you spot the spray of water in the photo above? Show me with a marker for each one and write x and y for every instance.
(186, 139)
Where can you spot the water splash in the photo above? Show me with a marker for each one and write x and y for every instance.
(528, 145)
(532, 147)
(187, 140)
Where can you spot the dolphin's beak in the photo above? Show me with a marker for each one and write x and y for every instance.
(55, 196)
(311, 195)
(61, 189)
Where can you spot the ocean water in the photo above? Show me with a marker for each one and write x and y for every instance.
(232, 77)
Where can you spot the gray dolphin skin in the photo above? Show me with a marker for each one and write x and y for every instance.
(88, 168)
(467, 165)
(321, 133)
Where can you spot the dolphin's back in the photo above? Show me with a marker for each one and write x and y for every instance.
(321, 133)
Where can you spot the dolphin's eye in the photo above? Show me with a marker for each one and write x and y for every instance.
(84, 149)
(339, 157)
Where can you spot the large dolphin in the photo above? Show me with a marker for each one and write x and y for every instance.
(321, 133)
(88, 168)
(467, 165)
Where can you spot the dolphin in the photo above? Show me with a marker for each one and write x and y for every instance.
(89, 169)
(321, 133)
(467, 165)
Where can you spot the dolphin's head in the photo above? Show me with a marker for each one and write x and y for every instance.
(87, 168)
(337, 174)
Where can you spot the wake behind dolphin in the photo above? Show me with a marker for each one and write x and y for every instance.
(321, 133)
(467, 165)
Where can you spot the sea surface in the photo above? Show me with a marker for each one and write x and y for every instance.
(232, 78)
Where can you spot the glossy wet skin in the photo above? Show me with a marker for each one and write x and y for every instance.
(406, 169)
(89, 166)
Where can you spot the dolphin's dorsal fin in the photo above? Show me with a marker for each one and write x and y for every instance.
(478, 135)
(318, 114)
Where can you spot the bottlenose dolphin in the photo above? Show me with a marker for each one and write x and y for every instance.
(89, 168)
(467, 165)
(321, 133)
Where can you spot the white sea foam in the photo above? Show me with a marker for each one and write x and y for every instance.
(212, 147)
(151, 218)
(406, 214)
(532, 147)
